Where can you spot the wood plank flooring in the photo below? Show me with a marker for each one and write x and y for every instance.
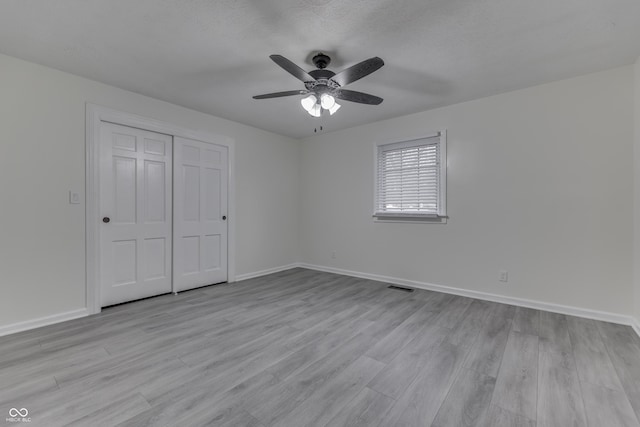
(303, 348)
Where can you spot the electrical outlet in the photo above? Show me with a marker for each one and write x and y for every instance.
(503, 276)
(333, 255)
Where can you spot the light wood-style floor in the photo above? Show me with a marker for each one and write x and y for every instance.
(303, 348)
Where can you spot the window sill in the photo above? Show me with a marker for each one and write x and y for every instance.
(408, 218)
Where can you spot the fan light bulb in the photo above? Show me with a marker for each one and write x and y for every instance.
(309, 102)
(334, 108)
(327, 101)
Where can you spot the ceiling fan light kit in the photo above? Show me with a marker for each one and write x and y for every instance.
(324, 86)
(314, 106)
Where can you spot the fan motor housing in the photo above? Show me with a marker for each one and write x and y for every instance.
(321, 60)
(321, 74)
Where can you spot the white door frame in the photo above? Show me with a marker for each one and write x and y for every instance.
(95, 114)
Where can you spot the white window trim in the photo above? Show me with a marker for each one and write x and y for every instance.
(441, 217)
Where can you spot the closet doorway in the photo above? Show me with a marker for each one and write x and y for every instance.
(159, 208)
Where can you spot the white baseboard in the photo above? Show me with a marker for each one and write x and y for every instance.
(246, 276)
(43, 321)
(556, 308)
(522, 302)
(75, 314)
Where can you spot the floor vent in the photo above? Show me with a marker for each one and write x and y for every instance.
(400, 288)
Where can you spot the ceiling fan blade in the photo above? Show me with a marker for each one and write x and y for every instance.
(359, 97)
(292, 68)
(358, 71)
(280, 94)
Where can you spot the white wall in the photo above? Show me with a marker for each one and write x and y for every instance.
(42, 236)
(636, 192)
(539, 183)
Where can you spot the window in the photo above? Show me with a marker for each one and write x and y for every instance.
(411, 179)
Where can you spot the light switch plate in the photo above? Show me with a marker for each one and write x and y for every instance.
(74, 197)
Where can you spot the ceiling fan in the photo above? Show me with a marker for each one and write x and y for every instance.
(324, 86)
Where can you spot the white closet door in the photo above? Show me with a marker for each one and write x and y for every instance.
(200, 209)
(135, 205)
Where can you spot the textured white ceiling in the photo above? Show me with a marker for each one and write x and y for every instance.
(213, 55)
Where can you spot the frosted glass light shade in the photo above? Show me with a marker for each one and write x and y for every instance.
(313, 107)
(334, 108)
(327, 101)
(308, 102)
(315, 110)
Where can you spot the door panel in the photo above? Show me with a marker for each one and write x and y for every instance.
(212, 250)
(135, 194)
(125, 262)
(155, 191)
(212, 195)
(155, 252)
(124, 190)
(190, 193)
(190, 255)
(200, 226)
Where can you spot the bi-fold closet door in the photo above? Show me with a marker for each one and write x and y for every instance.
(163, 204)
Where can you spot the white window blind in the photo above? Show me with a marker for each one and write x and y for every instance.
(410, 178)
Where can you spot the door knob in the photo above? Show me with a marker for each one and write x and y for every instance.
(106, 219)
(224, 217)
